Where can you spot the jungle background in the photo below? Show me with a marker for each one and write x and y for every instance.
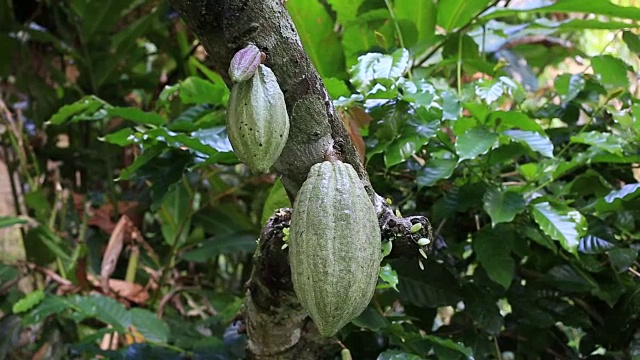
(128, 227)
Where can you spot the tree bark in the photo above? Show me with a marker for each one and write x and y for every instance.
(277, 326)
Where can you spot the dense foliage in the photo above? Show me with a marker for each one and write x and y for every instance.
(515, 130)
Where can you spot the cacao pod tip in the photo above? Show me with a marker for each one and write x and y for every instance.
(245, 63)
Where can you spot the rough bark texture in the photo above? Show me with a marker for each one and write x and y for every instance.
(277, 326)
(226, 26)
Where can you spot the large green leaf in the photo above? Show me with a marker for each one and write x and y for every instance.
(611, 71)
(568, 278)
(86, 109)
(111, 312)
(316, 30)
(502, 206)
(600, 7)
(475, 142)
(421, 13)
(453, 14)
(149, 325)
(569, 86)
(535, 141)
(175, 213)
(8, 221)
(276, 199)
(345, 10)
(564, 225)
(377, 67)
(223, 244)
(195, 90)
(493, 249)
(434, 170)
(137, 115)
(604, 141)
(591, 244)
(100, 16)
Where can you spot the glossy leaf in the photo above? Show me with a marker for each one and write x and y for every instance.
(375, 66)
(604, 141)
(276, 199)
(493, 249)
(453, 14)
(137, 115)
(591, 244)
(611, 71)
(565, 226)
(8, 221)
(475, 142)
(149, 325)
(434, 170)
(627, 192)
(316, 30)
(534, 140)
(502, 206)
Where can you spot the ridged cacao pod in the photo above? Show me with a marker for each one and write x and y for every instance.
(335, 246)
(257, 120)
(245, 63)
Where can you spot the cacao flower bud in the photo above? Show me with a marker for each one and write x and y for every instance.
(245, 63)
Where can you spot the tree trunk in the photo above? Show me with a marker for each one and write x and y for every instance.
(277, 326)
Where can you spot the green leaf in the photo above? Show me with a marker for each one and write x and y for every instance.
(591, 244)
(87, 108)
(632, 40)
(489, 91)
(370, 319)
(567, 278)
(175, 214)
(611, 71)
(149, 325)
(137, 115)
(493, 249)
(276, 199)
(111, 312)
(194, 90)
(223, 244)
(397, 355)
(345, 10)
(146, 156)
(563, 225)
(450, 344)
(534, 140)
(604, 141)
(502, 206)
(28, 301)
(627, 192)
(422, 14)
(513, 120)
(100, 16)
(375, 67)
(569, 86)
(475, 142)
(316, 30)
(602, 7)
(416, 133)
(8, 221)
(622, 258)
(389, 277)
(435, 169)
(453, 14)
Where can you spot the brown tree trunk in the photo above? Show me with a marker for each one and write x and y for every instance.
(277, 326)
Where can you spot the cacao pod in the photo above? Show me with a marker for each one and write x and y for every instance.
(245, 63)
(257, 120)
(335, 246)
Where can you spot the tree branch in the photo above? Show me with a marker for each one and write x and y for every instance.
(277, 325)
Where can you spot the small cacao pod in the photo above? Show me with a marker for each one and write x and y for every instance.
(245, 63)
(257, 120)
(334, 246)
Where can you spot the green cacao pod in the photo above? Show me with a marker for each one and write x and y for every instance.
(334, 246)
(257, 120)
